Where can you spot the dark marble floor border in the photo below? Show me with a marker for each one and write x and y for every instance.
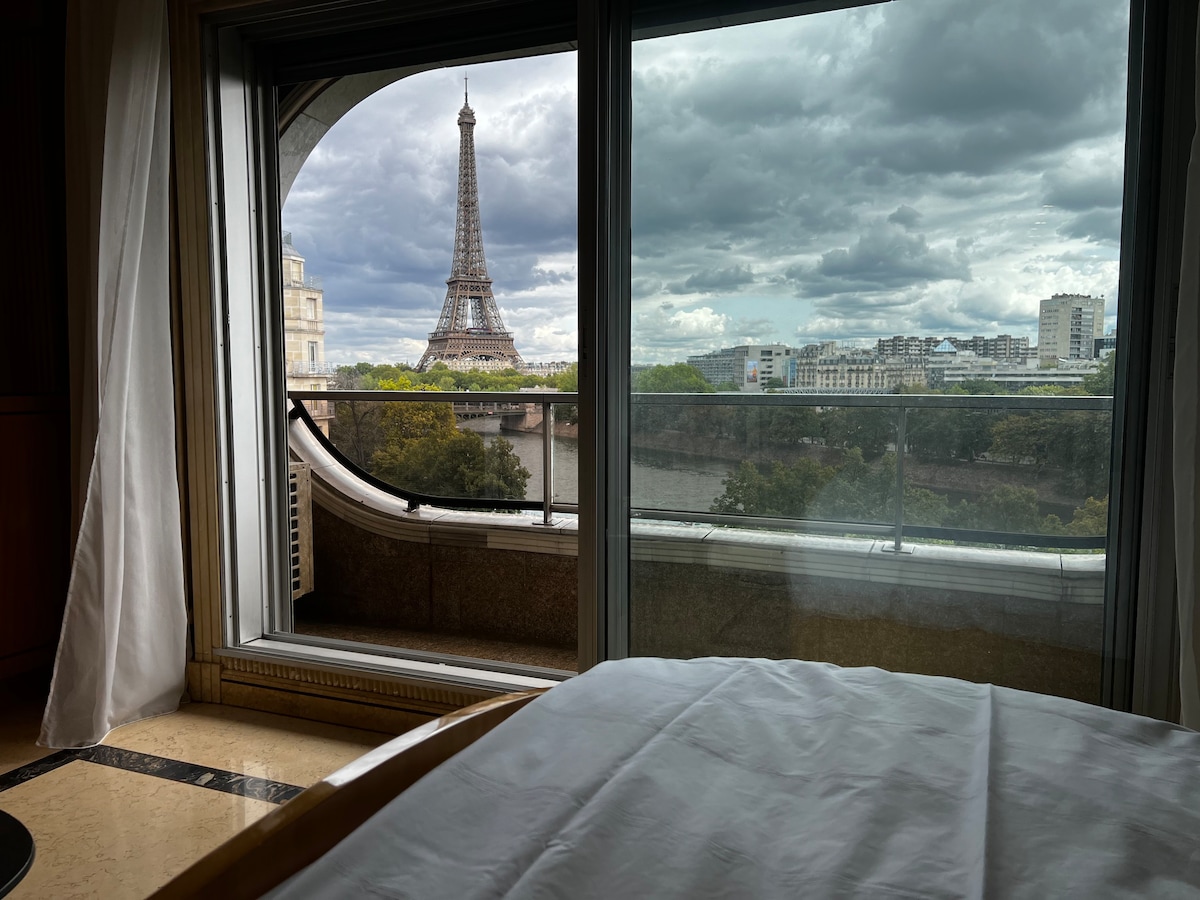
(160, 767)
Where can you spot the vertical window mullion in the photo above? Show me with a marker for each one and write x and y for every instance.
(604, 188)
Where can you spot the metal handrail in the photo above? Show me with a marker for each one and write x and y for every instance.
(545, 399)
(901, 403)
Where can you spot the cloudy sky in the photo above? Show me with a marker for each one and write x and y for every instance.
(928, 167)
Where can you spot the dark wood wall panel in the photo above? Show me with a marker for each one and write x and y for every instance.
(35, 505)
(34, 540)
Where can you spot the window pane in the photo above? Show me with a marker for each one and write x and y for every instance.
(875, 260)
(432, 234)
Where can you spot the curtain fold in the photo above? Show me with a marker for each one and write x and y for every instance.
(1186, 461)
(122, 651)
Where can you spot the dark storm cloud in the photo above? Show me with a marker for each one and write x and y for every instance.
(973, 62)
(711, 281)
(888, 257)
(1102, 226)
(1078, 192)
(906, 216)
(891, 165)
(1091, 191)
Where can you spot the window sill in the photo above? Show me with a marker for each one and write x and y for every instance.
(415, 675)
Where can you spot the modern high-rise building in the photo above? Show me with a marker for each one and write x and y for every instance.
(304, 332)
(469, 333)
(1068, 325)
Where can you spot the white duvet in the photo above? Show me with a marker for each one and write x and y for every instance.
(754, 778)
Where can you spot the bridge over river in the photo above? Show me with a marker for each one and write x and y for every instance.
(525, 417)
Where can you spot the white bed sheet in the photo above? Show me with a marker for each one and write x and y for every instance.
(754, 778)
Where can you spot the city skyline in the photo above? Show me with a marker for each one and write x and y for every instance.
(957, 206)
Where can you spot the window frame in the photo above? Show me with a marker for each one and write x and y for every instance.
(243, 52)
(248, 48)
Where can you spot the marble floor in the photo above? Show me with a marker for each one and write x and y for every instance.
(119, 820)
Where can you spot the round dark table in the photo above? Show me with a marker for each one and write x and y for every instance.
(16, 852)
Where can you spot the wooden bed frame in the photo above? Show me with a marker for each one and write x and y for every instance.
(298, 833)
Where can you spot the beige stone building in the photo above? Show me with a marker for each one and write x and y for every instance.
(828, 368)
(1068, 325)
(304, 333)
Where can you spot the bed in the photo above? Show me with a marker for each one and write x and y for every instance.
(743, 778)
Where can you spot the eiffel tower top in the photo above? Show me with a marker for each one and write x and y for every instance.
(469, 261)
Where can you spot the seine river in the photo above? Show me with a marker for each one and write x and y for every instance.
(659, 479)
(662, 479)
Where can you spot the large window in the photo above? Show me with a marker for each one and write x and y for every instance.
(875, 251)
(440, 212)
(854, 320)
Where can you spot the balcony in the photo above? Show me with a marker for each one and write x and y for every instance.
(307, 282)
(912, 582)
(311, 367)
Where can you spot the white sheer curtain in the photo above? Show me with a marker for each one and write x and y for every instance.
(1187, 414)
(122, 651)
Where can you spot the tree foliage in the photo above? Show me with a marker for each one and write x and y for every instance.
(679, 378)
(1102, 382)
(783, 490)
(454, 464)
(418, 446)
(868, 429)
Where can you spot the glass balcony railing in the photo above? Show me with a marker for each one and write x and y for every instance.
(1004, 470)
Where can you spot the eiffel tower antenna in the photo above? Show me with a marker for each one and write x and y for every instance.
(469, 333)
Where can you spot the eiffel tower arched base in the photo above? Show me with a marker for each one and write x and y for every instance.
(463, 352)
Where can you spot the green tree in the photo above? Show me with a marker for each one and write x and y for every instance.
(794, 424)
(1076, 443)
(679, 378)
(457, 464)
(1081, 445)
(1023, 438)
(981, 386)
(871, 430)
(355, 430)
(924, 507)
(567, 382)
(1005, 508)
(945, 434)
(1102, 382)
(1091, 519)
(786, 490)
(857, 492)
(860, 492)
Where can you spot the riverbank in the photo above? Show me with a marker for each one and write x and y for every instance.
(956, 479)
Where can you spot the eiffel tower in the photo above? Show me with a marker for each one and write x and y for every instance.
(470, 333)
